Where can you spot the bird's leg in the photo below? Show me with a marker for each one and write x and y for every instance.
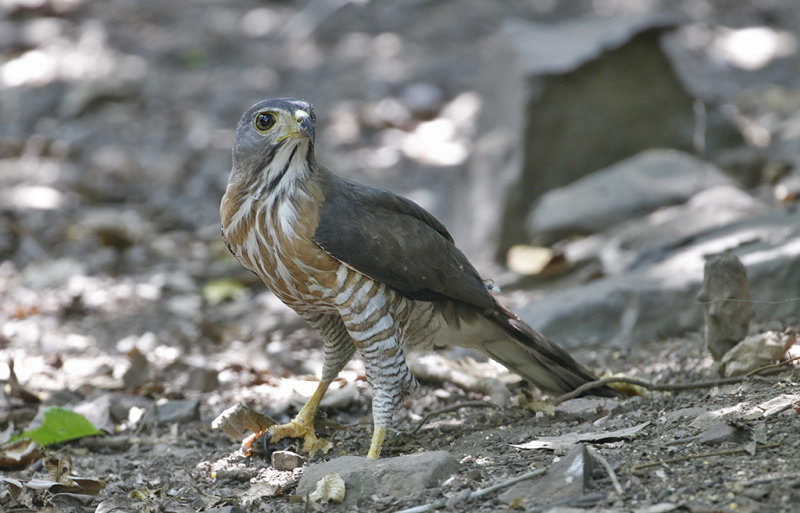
(368, 314)
(339, 348)
(390, 378)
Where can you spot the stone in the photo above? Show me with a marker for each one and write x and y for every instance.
(614, 68)
(398, 477)
(757, 351)
(723, 432)
(726, 308)
(644, 241)
(567, 478)
(423, 98)
(628, 308)
(287, 460)
(633, 187)
(201, 379)
(171, 411)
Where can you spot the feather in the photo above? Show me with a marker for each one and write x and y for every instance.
(395, 241)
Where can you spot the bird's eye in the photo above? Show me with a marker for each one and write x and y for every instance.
(265, 121)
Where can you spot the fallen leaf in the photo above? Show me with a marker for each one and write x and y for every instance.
(756, 351)
(238, 419)
(567, 440)
(19, 453)
(80, 485)
(59, 468)
(330, 488)
(60, 425)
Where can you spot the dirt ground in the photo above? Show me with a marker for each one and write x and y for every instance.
(188, 467)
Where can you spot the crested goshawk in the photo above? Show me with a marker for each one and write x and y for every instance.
(372, 271)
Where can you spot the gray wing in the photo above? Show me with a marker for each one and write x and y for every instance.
(395, 241)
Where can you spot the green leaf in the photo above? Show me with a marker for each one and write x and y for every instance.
(217, 291)
(60, 425)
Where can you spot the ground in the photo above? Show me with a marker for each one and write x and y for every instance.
(186, 466)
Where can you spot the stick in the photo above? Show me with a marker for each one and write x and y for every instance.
(477, 493)
(672, 387)
(451, 408)
(610, 471)
(637, 468)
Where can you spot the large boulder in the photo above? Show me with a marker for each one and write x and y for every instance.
(654, 271)
(631, 188)
(598, 91)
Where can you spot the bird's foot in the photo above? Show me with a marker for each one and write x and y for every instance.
(295, 429)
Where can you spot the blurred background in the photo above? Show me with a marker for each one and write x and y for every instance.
(587, 155)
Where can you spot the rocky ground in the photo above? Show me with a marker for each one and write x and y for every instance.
(594, 206)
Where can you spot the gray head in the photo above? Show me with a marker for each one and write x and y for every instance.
(272, 136)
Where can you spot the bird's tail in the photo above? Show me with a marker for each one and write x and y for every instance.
(531, 355)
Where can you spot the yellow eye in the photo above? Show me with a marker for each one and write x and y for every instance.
(265, 121)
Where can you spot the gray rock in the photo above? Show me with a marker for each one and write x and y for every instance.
(587, 80)
(201, 379)
(567, 478)
(644, 241)
(658, 297)
(399, 477)
(170, 411)
(723, 432)
(726, 322)
(286, 460)
(635, 186)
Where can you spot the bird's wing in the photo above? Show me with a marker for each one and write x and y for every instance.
(395, 241)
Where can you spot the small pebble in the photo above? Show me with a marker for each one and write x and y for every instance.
(287, 460)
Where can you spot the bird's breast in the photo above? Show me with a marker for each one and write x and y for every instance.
(273, 238)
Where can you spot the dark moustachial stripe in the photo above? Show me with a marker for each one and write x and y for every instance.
(310, 156)
(274, 182)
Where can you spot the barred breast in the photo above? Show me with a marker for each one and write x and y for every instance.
(272, 238)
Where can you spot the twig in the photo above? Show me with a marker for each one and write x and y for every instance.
(771, 366)
(672, 387)
(769, 479)
(452, 408)
(637, 468)
(609, 470)
(477, 493)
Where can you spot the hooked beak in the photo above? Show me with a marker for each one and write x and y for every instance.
(306, 126)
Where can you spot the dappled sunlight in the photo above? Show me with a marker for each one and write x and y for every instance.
(748, 48)
(37, 197)
(87, 57)
(753, 48)
(789, 248)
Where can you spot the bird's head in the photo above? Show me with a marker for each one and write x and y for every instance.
(274, 138)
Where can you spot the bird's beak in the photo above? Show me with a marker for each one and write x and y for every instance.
(306, 126)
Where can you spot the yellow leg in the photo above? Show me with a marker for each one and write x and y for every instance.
(378, 434)
(302, 425)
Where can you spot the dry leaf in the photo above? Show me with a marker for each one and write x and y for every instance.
(329, 488)
(756, 351)
(238, 419)
(567, 440)
(59, 468)
(19, 453)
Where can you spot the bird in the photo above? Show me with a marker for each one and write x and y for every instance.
(372, 271)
